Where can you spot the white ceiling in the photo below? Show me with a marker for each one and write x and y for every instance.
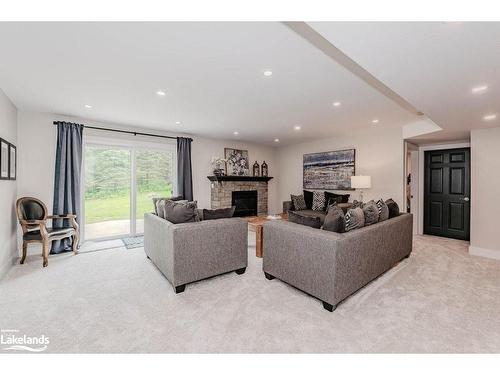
(433, 65)
(212, 74)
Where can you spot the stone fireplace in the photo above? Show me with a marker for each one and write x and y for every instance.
(222, 196)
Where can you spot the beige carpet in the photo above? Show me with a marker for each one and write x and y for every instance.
(439, 300)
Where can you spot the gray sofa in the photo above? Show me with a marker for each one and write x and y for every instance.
(189, 252)
(332, 266)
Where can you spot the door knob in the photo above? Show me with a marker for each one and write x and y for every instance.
(466, 199)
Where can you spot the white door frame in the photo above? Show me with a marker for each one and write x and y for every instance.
(132, 146)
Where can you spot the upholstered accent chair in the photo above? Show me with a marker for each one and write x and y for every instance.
(32, 215)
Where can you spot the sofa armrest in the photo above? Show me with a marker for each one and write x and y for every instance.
(207, 248)
(159, 244)
(366, 253)
(301, 256)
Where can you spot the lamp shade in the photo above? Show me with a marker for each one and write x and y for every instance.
(361, 182)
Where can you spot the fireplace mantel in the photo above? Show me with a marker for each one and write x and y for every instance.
(239, 178)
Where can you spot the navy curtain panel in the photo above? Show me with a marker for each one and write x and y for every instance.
(184, 172)
(67, 179)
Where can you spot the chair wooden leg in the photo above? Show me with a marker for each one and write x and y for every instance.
(76, 240)
(25, 250)
(45, 253)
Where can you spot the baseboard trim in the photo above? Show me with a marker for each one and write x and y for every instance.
(485, 253)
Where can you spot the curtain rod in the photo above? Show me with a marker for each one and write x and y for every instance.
(124, 131)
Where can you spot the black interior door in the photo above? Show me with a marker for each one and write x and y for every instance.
(447, 193)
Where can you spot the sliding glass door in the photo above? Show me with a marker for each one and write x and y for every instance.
(154, 178)
(120, 181)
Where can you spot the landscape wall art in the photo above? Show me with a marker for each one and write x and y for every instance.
(330, 170)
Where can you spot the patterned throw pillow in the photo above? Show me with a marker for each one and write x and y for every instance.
(383, 210)
(354, 218)
(370, 210)
(319, 202)
(298, 202)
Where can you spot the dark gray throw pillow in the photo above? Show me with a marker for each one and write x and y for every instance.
(354, 218)
(308, 198)
(310, 221)
(298, 202)
(177, 213)
(393, 208)
(334, 220)
(370, 210)
(340, 198)
(220, 213)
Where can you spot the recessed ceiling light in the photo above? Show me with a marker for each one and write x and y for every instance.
(88, 106)
(276, 139)
(160, 93)
(177, 123)
(489, 117)
(336, 104)
(375, 121)
(297, 127)
(268, 73)
(236, 133)
(479, 89)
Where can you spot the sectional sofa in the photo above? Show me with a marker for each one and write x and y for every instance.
(332, 266)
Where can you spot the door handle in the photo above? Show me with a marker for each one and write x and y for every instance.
(466, 199)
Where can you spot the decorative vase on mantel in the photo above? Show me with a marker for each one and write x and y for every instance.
(264, 169)
(256, 169)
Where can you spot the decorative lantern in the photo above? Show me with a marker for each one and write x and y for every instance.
(264, 169)
(256, 169)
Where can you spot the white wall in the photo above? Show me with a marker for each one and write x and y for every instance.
(485, 205)
(37, 134)
(379, 154)
(8, 120)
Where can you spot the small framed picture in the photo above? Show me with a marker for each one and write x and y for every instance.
(12, 161)
(4, 159)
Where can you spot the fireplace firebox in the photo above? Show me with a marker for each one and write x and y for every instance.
(245, 202)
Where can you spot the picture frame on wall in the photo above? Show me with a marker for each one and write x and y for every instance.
(330, 170)
(12, 162)
(4, 159)
(237, 162)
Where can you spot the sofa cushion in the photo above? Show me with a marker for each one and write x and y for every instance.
(298, 218)
(308, 198)
(298, 201)
(354, 218)
(334, 219)
(177, 212)
(220, 213)
(340, 198)
(319, 203)
(383, 210)
(370, 210)
(393, 208)
(312, 213)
